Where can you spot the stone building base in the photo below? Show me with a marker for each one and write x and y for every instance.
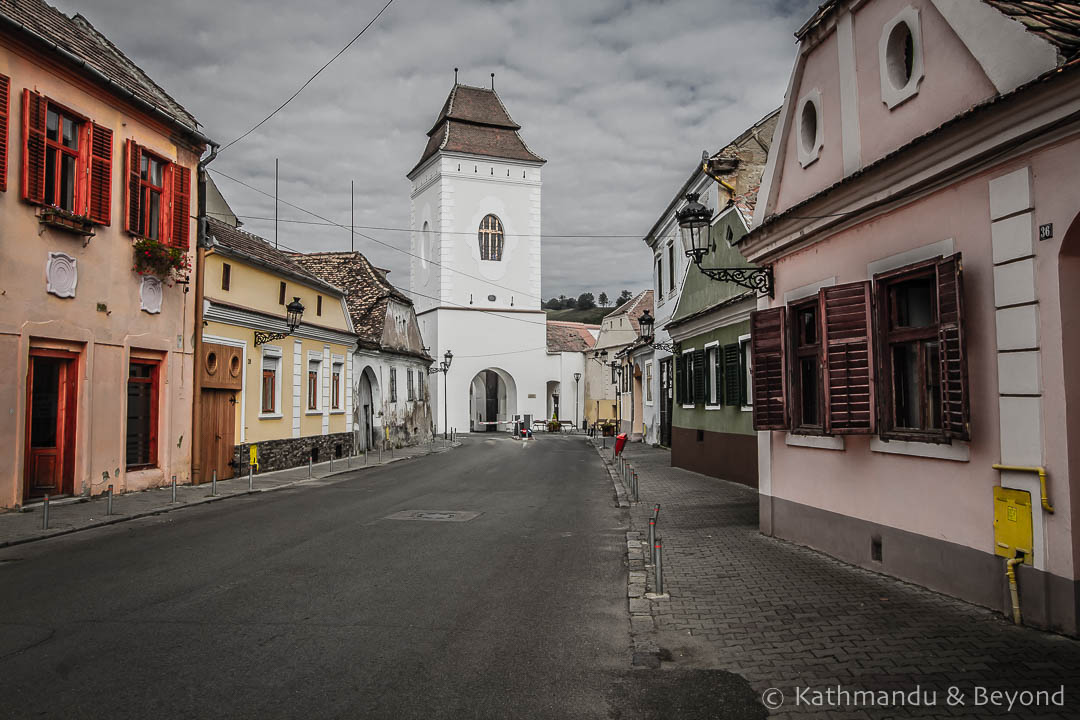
(293, 452)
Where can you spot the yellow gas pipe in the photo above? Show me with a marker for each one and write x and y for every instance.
(1042, 480)
(1010, 571)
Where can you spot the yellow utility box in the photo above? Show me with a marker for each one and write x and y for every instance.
(1012, 523)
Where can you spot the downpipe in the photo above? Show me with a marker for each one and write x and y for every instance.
(1014, 590)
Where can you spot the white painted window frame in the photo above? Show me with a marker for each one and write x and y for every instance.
(648, 384)
(891, 95)
(316, 358)
(809, 155)
(337, 364)
(690, 382)
(271, 351)
(711, 368)
(744, 346)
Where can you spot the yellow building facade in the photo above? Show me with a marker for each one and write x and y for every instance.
(285, 391)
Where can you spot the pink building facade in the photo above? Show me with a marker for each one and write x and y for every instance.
(95, 159)
(919, 214)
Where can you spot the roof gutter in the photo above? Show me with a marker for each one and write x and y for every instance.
(113, 85)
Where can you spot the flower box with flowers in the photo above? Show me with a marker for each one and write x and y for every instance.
(65, 220)
(170, 264)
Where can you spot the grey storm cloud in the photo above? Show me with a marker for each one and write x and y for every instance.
(620, 97)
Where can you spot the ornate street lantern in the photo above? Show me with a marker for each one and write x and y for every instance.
(694, 220)
(294, 311)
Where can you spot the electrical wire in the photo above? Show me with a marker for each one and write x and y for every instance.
(374, 240)
(309, 80)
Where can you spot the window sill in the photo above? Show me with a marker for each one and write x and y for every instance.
(337, 412)
(66, 221)
(688, 407)
(270, 416)
(820, 442)
(748, 408)
(957, 451)
(313, 412)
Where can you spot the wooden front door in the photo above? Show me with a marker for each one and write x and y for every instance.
(51, 387)
(218, 429)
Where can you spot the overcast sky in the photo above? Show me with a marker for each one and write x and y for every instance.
(620, 97)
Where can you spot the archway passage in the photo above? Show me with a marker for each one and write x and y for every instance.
(364, 411)
(492, 400)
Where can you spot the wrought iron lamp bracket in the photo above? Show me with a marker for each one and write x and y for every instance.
(261, 338)
(757, 279)
(665, 346)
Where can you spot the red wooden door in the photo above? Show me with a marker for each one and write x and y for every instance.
(50, 424)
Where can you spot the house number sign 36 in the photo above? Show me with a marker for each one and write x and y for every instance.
(1046, 231)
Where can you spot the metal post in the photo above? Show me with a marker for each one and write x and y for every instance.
(659, 552)
(381, 444)
(213, 483)
(652, 537)
(174, 488)
(309, 466)
(331, 462)
(251, 477)
(108, 507)
(45, 514)
(636, 487)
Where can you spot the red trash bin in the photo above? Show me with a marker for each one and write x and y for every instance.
(620, 442)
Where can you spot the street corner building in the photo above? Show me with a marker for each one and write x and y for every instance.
(916, 373)
(613, 389)
(96, 321)
(389, 376)
(275, 366)
(696, 390)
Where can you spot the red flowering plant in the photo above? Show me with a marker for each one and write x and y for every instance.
(171, 264)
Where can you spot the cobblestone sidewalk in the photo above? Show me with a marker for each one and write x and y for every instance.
(787, 617)
(74, 514)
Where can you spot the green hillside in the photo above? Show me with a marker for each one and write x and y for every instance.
(592, 316)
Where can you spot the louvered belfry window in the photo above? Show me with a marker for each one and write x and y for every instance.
(66, 160)
(491, 238)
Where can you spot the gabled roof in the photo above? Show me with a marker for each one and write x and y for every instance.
(245, 246)
(83, 45)
(1056, 21)
(563, 336)
(367, 291)
(474, 120)
(634, 308)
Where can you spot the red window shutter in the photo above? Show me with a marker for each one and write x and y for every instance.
(848, 358)
(768, 362)
(101, 150)
(955, 402)
(33, 164)
(131, 189)
(181, 206)
(5, 104)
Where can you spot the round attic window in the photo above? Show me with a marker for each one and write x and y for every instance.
(234, 366)
(900, 55)
(211, 362)
(491, 298)
(808, 126)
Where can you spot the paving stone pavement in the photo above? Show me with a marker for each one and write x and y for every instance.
(787, 617)
(69, 515)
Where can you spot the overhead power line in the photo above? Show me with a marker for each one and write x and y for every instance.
(328, 221)
(309, 80)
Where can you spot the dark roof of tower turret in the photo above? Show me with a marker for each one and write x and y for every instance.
(473, 120)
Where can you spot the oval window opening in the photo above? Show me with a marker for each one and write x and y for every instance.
(491, 298)
(211, 362)
(234, 366)
(900, 55)
(808, 127)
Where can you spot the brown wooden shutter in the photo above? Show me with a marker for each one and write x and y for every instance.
(131, 186)
(768, 363)
(699, 377)
(5, 112)
(848, 358)
(101, 149)
(719, 378)
(955, 403)
(680, 379)
(181, 206)
(731, 372)
(33, 163)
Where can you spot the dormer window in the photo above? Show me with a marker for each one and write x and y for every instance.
(900, 58)
(809, 130)
(491, 238)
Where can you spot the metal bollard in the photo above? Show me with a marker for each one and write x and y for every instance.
(309, 466)
(251, 477)
(108, 507)
(652, 538)
(367, 451)
(636, 487)
(331, 462)
(45, 514)
(656, 511)
(213, 483)
(658, 550)
(381, 444)
(174, 488)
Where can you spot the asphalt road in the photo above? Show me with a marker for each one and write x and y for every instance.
(309, 602)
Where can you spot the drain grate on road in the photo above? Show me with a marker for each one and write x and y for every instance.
(435, 515)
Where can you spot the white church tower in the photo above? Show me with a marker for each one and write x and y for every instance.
(475, 277)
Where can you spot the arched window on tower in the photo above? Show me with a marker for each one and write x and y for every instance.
(491, 238)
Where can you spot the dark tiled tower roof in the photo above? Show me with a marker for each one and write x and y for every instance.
(473, 120)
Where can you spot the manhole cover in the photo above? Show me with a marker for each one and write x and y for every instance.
(434, 515)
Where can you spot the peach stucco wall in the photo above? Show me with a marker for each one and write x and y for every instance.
(944, 499)
(104, 337)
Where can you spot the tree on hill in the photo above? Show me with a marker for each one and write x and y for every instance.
(552, 304)
(585, 301)
(603, 299)
(624, 296)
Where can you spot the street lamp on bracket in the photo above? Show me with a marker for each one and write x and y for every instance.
(294, 311)
(694, 221)
(646, 336)
(443, 367)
